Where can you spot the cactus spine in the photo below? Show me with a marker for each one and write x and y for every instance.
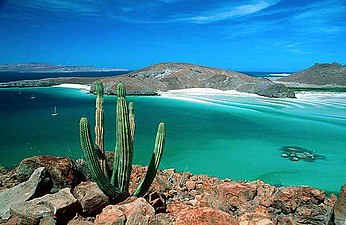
(117, 187)
(99, 127)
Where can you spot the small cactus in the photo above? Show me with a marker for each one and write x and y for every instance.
(117, 186)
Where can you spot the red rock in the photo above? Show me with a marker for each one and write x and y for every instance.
(287, 199)
(205, 216)
(233, 197)
(176, 208)
(258, 217)
(62, 170)
(265, 193)
(133, 211)
(190, 185)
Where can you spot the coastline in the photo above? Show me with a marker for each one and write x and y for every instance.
(73, 86)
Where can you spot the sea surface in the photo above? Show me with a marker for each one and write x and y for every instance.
(15, 76)
(227, 136)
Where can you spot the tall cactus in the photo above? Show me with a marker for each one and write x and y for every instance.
(117, 187)
(99, 127)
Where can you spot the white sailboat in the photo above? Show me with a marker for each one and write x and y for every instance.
(55, 112)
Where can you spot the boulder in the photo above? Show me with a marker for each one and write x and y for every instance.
(157, 201)
(63, 171)
(287, 199)
(340, 208)
(235, 198)
(38, 184)
(163, 219)
(205, 216)
(78, 220)
(61, 205)
(259, 217)
(133, 210)
(303, 205)
(176, 208)
(90, 197)
(190, 185)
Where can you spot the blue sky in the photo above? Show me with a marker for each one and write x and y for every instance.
(246, 35)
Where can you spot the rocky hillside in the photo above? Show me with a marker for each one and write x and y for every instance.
(320, 74)
(172, 76)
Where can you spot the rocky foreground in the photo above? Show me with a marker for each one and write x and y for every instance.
(57, 190)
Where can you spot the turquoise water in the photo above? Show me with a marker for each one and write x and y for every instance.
(225, 136)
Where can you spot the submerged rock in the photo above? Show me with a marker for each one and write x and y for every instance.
(295, 153)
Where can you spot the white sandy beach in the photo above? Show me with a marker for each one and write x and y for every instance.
(204, 91)
(74, 86)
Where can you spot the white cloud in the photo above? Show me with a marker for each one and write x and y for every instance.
(231, 12)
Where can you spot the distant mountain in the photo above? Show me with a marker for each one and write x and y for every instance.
(320, 74)
(172, 76)
(35, 67)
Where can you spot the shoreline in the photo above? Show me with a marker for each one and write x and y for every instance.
(73, 86)
(186, 93)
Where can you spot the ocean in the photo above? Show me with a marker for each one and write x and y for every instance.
(236, 137)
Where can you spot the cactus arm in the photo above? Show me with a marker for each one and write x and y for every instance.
(132, 121)
(124, 141)
(114, 178)
(99, 126)
(91, 158)
(145, 183)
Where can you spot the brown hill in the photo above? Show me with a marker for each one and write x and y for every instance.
(172, 76)
(320, 74)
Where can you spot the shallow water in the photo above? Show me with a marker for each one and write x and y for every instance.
(225, 136)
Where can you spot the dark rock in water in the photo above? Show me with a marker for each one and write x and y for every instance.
(62, 170)
(36, 185)
(61, 205)
(340, 208)
(295, 153)
(91, 198)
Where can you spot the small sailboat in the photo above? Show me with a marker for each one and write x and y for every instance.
(55, 112)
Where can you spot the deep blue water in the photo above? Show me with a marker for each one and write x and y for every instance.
(14, 76)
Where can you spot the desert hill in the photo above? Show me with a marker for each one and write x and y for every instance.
(172, 76)
(333, 74)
